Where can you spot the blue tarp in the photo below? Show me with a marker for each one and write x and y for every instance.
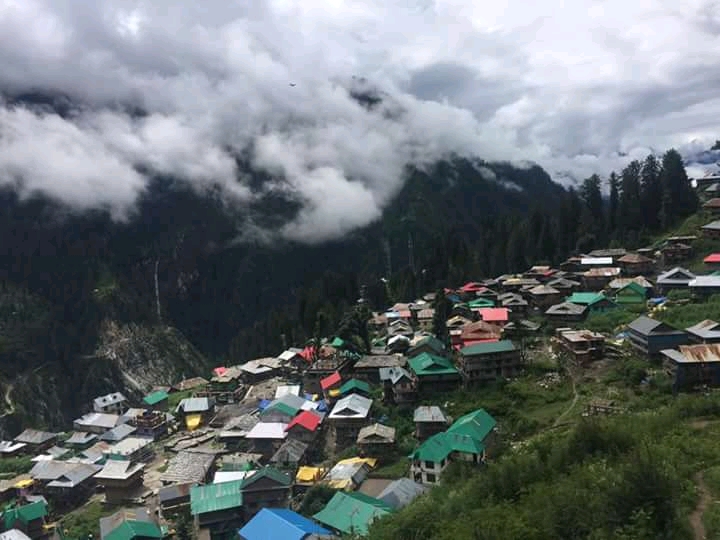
(264, 404)
(659, 300)
(280, 524)
(322, 405)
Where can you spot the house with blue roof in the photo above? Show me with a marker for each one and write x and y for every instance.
(276, 523)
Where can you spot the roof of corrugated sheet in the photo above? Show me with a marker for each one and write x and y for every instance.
(695, 354)
(281, 524)
(215, 497)
(429, 413)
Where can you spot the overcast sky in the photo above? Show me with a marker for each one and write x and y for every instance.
(577, 86)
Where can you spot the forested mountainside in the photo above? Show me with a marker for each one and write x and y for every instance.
(175, 277)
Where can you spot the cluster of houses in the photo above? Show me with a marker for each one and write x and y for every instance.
(239, 450)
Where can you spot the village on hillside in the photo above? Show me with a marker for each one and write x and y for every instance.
(319, 441)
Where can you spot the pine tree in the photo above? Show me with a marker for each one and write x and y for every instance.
(630, 203)
(679, 198)
(593, 214)
(651, 192)
(613, 203)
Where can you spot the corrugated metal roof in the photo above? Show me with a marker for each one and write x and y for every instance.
(376, 431)
(267, 430)
(695, 354)
(291, 451)
(191, 405)
(429, 413)
(352, 513)
(488, 348)
(676, 275)
(118, 469)
(215, 497)
(352, 406)
(101, 420)
(34, 436)
(280, 524)
(401, 492)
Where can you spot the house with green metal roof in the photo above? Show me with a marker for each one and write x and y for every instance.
(480, 303)
(218, 507)
(355, 386)
(434, 372)
(428, 344)
(468, 439)
(266, 488)
(631, 294)
(28, 518)
(490, 361)
(157, 400)
(595, 302)
(352, 512)
(135, 524)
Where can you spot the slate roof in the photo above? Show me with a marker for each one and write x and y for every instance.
(352, 512)
(379, 361)
(401, 492)
(33, 436)
(291, 451)
(279, 523)
(187, 467)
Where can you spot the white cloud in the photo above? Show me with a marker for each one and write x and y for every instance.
(578, 87)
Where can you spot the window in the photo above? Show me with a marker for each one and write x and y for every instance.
(429, 464)
(431, 478)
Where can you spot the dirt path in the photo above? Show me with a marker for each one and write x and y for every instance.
(572, 403)
(696, 518)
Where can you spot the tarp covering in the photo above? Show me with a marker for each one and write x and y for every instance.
(192, 421)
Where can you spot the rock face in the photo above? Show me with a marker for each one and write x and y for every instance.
(143, 356)
(130, 358)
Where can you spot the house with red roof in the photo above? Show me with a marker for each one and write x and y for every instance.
(330, 385)
(712, 260)
(305, 426)
(497, 316)
(476, 332)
